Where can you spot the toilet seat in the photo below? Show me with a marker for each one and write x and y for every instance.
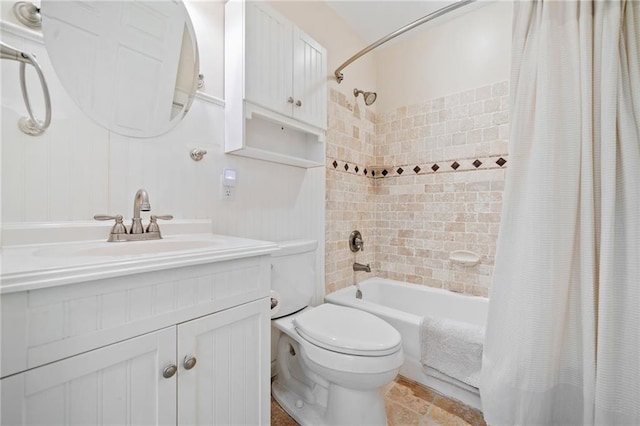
(347, 331)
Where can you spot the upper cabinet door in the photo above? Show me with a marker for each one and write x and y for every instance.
(268, 59)
(309, 80)
(119, 384)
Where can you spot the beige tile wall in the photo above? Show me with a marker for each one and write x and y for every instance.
(439, 171)
(350, 202)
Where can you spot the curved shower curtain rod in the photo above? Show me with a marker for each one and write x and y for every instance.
(417, 22)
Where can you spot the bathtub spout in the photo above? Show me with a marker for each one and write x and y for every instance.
(360, 267)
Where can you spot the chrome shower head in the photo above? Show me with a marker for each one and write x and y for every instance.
(369, 97)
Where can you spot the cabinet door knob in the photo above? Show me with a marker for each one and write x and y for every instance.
(189, 362)
(299, 103)
(169, 371)
(290, 100)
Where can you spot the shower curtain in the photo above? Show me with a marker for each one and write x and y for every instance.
(563, 335)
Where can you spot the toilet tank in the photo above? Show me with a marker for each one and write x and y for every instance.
(293, 274)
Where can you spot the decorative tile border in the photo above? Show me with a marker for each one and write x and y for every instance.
(445, 166)
(350, 168)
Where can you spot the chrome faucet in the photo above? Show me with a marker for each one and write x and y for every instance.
(359, 267)
(140, 203)
(136, 232)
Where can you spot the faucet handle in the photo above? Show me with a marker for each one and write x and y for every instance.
(356, 243)
(153, 222)
(118, 227)
(107, 217)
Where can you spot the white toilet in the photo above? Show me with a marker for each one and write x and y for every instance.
(331, 361)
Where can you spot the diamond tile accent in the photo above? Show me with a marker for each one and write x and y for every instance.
(416, 169)
(373, 173)
(435, 167)
(400, 170)
(385, 172)
(335, 164)
(357, 169)
(477, 163)
(365, 172)
(455, 165)
(501, 161)
(346, 167)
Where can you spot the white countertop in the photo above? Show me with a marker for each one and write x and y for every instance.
(34, 266)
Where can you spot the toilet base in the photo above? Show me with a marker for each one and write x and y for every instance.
(302, 412)
(355, 407)
(344, 407)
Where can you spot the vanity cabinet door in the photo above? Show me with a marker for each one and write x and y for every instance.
(229, 383)
(119, 384)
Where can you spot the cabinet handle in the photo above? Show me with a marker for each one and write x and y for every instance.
(299, 103)
(189, 362)
(290, 100)
(169, 371)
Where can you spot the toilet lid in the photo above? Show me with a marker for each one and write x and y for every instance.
(347, 330)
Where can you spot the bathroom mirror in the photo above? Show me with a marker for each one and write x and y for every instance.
(131, 66)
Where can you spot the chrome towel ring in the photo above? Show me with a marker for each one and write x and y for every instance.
(29, 125)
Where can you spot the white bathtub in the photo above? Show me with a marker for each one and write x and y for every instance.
(403, 305)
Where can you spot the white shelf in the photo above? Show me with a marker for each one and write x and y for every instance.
(261, 154)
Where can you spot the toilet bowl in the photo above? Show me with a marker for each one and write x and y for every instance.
(331, 361)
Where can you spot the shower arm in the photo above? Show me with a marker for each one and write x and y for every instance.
(29, 125)
(338, 72)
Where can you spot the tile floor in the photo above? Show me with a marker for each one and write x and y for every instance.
(408, 403)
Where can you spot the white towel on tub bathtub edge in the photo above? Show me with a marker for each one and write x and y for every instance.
(453, 348)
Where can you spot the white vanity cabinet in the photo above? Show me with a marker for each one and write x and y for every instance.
(275, 87)
(101, 352)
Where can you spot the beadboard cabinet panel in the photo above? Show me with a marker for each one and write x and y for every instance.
(309, 80)
(268, 59)
(229, 384)
(123, 383)
(118, 384)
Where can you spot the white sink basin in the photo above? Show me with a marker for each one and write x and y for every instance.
(130, 248)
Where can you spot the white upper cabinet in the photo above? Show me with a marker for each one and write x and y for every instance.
(275, 87)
